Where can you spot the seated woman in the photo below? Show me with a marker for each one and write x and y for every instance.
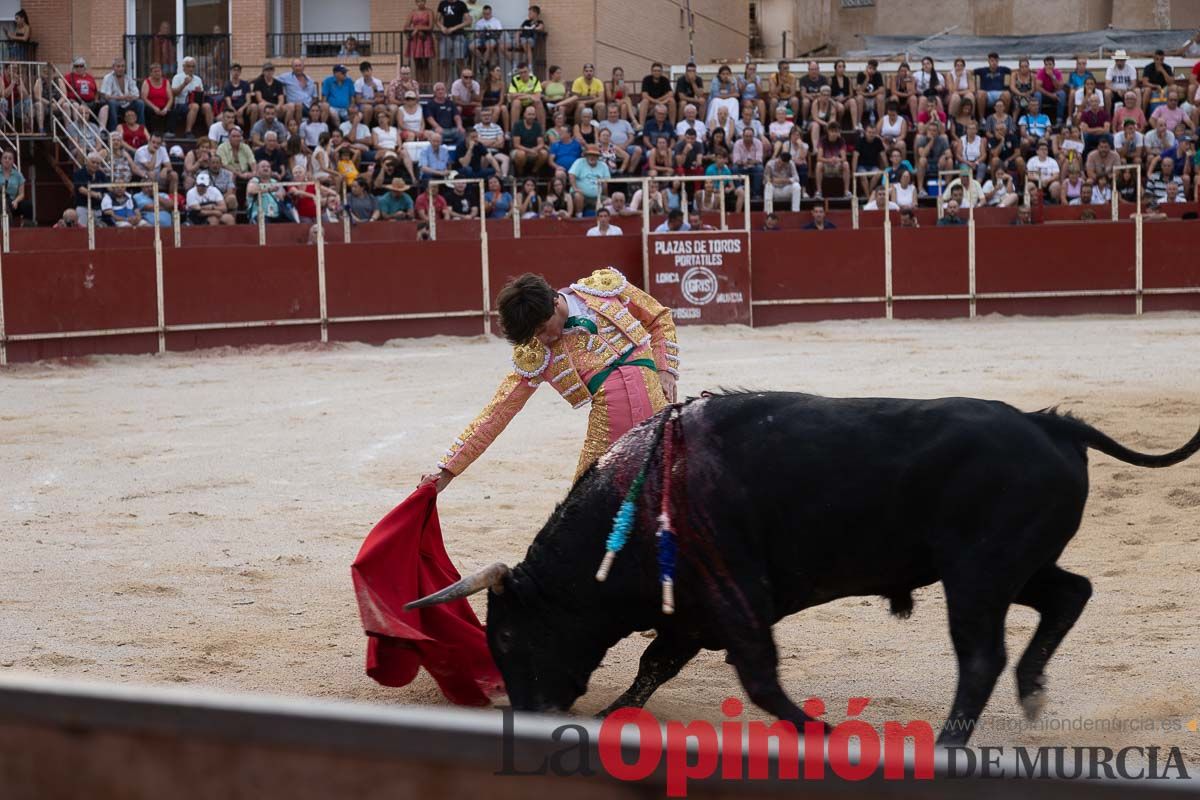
(385, 137)
(620, 93)
(723, 93)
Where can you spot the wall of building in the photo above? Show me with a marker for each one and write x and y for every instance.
(635, 34)
(815, 22)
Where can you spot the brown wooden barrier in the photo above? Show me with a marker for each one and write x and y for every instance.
(220, 288)
(790, 269)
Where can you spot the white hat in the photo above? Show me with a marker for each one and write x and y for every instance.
(203, 179)
(1120, 55)
(176, 152)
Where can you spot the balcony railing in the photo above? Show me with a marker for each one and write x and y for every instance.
(211, 51)
(509, 48)
(18, 51)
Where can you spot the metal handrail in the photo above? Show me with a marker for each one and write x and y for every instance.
(211, 51)
(371, 44)
(61, 108)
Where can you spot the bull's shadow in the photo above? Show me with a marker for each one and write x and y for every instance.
(784, 501)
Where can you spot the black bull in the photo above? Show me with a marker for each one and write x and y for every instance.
(786, 501)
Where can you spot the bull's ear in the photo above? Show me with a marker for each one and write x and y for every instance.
(487, 578)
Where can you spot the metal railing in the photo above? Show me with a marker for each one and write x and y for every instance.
(18, 51)
(23, 91)
(510, 48)
(211, 51)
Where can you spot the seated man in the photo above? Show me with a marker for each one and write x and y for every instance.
(656, 91)
(585, 176)
(832, 157)
(623, 136)
(117, 209)
(466, 94)
(879, 201)
(273, 154)
(206, 204)
(462, 201)
(604, 226)
(492, 137)
(237, 155)
(395, 204)
(781, 181)
(587, 89)
(434, 161)
(223, 181)
(748, 160)
(239, 96)
(525, 91)
(368, 91)
(91, 172)
(529, 151)
(269, 122)
(301, 95)
(219, 131)
(487, 36)
(950, 214)
(442, 116)
(119, 92)
(472, 159)
(190, 97)
(338, 93)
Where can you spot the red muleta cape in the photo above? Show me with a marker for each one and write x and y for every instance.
(402, 559)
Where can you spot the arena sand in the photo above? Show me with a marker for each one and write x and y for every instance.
(191, 518)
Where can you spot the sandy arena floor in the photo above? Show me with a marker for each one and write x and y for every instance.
(192, 518)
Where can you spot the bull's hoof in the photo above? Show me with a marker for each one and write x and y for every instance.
(617, 706)
(1033, 703)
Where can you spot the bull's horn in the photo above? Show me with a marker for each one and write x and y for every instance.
(487, 578)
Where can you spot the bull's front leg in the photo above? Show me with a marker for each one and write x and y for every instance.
(660, 662)
(757, 664)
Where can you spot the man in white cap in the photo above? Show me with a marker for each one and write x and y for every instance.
(206, 204)
(1119, 78)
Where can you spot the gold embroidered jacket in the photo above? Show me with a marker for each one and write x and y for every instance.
(628, 321)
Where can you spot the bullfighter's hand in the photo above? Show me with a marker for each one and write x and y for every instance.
(441, 479)
(668, 385)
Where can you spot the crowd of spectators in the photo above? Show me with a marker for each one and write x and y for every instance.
(551, 146)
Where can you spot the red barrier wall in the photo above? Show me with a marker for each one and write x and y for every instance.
(221, 276)
(98, 290)
(798, 264)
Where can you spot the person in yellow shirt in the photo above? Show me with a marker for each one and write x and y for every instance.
(526, 90)
(587, 89)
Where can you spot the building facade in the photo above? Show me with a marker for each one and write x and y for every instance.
(627, 33)
(837, 25)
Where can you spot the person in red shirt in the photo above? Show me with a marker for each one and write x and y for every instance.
(422, 206)
(82, 89)
(304, 198)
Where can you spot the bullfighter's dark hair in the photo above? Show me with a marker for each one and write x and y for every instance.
(524, 303)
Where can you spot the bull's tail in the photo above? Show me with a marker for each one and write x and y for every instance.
(1096, 439)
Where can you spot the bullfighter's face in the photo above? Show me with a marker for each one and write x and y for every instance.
(552, 329)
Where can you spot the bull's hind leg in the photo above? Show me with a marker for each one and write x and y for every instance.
(1059, 597)
(660, 662)
(977, 631)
